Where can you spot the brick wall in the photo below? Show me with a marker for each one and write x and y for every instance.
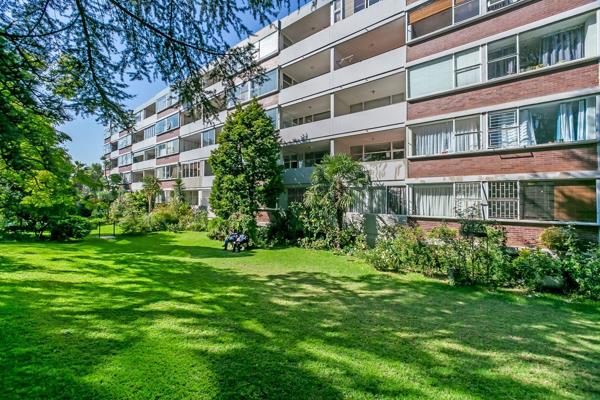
(524, 87)
(497, 23)
(167, 136)
(518, 235)
(126, 168)
(556, 159)
(167, 111)
(125, 150)
(167, 160)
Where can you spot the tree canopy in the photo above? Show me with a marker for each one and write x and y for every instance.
(246, 163)
(81, 51)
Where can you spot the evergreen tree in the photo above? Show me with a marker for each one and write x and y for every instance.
(151, 188)
(246, 163)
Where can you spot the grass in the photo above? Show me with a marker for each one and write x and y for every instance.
(172, 316)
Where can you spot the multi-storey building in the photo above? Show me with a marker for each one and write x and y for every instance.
(486, 105)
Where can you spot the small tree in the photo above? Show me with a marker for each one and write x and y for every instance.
(178, 190)
(245, 165)
(332, 182)
(151, 188)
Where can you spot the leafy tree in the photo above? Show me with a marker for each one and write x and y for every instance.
(245, 165)
(178, 190)
(81, 51)
(332, 183)
(151, 188)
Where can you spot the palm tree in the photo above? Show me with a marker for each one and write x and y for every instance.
(151, 188)
(332, 183)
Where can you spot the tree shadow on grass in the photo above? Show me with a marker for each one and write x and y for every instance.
(148, 325)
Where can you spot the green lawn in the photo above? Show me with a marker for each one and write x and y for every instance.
(172, 316)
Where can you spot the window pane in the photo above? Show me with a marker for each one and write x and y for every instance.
(503, 200)
(433, 200)
(503, 129)
(268, 45)
(432, 139)
(431, 77)
(467, 133)
(502, 58)
(396, 200)
(465, 9)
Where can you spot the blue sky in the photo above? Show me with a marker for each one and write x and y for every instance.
(88, 136)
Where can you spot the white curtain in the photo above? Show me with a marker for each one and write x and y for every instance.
(466, 134)
(581, 125)
(432, 139)
(565, 130)
(562, 46)
(527, 129)
(434, 201)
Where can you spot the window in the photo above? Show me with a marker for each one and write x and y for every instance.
(468, 199)
(433, 200)
(498, 4)
(168, 148)
(273, 113)
(124, 142)
(138, 157)
(288, 81)
(337, 10)
(557, 122)
(503, 130)
(107, 148)
(503, 200)
(268, 85)
(207, 169)
(190, 170)
(125, 159)
(439, 14)
(126, 177)
(149, 132)
(379, 200)
(165, 101)
(313, 158)
(467, 67)
(138, 116)
(502, 58)
(378, 151)
(167, 172)
(306, 119)
(539, 49)
(290, 161)
(295, 195)
(558, 201)
(457, 135)
(376, 103)
(167, 124)
(209, 137)
(434, 76)
(267, 45)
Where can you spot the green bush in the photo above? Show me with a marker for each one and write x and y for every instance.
(198, 221)
(135, 223)
(70, 227)
(530, 269)
(286, 227)
(218, 228)
(560, 239)
(244, 223)
(587, 276)
(399, 249)
(163, 216)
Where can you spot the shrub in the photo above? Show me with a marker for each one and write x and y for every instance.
(135, 223)
(529, 269)
(588, 275)
(163, 216)
(218, 228)
(69, 227)
(243, 223)
(198, 221)
(399, 248)
(559, 239)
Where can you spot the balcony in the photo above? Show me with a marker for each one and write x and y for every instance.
(321, 38)
(202, 124)
(306, 120)
(382, 153)
(299, 161)
(374, 53)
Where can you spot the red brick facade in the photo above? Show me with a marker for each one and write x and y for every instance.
(524, 87)
(518, 235)
(577, 157)
(167, 136)
(167, 160)
(166, 111)
(512, 18)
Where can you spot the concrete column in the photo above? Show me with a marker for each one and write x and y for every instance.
(331, 147)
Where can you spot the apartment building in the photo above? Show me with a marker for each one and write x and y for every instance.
(489, 106)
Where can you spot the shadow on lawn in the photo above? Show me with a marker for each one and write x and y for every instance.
(290, 335)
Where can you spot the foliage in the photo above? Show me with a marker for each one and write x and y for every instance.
(198, 221)
(69, 227)
(246, 163)
(332, 184)
(82, 52)
(218, 228)
(151, 189)
(559, 239)
(285, 228)
(529, 269)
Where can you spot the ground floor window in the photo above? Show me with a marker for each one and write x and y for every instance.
(295, 195)
(508, 200)
(379, 200)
